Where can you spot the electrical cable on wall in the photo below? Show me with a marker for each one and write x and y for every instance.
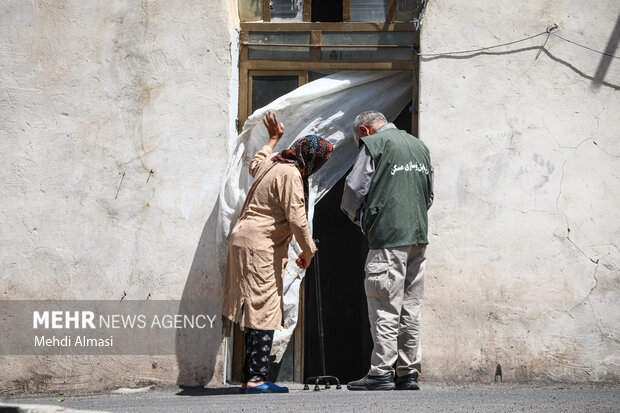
(548, 32)
(585, 47)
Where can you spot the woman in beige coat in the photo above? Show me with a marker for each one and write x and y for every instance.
(275, 210)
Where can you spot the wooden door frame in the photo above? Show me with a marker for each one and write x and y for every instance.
(249, 68)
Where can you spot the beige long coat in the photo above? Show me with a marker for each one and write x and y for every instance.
(274, 211)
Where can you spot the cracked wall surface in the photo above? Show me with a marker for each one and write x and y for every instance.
(523, 263)
(115, 122)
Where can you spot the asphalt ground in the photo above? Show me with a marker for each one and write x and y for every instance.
(432, 398)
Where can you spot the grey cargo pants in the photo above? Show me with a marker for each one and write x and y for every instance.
(394, 287)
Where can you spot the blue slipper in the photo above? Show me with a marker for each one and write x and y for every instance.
(268, 387)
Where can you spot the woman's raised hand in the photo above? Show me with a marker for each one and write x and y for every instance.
(274, 128)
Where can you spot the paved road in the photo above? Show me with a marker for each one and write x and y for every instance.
(432, 398)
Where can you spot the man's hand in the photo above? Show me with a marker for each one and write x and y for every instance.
(274, 128)
(303, 261)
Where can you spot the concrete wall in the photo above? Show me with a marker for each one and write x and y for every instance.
(115, 122)
(523, 264)
(523, 267)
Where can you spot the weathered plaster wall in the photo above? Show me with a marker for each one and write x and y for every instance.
(524, 265)
(115, 122)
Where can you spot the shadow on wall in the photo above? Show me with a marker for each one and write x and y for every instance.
(605, 62)
(524, 49)
(197, 350)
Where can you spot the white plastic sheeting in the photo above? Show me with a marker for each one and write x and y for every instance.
(324, 107)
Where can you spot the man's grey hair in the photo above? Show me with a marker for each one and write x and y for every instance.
(368, 118)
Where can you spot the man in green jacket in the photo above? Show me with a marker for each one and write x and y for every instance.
(388, 193)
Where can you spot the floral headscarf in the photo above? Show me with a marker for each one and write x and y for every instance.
(308, 154)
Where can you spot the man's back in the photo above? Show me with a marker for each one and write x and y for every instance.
(400, 191)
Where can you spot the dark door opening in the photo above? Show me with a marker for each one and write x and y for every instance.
(342, 255)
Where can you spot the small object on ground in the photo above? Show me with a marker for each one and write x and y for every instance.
(132, 390)
(498, 373)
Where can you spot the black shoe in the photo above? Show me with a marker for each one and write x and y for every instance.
(384, 382)
(408, 382)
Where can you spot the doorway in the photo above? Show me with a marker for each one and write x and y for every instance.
(343, 251)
